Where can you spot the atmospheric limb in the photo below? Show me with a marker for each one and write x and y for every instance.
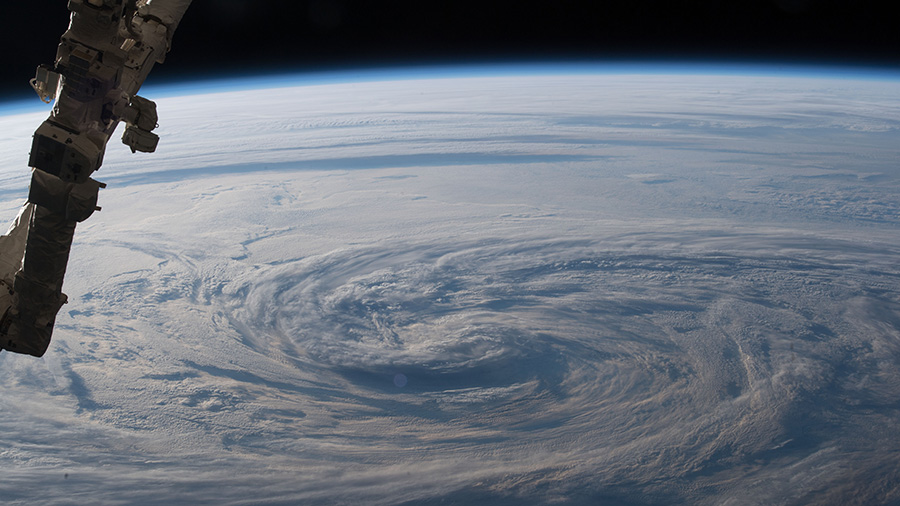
(102, 60)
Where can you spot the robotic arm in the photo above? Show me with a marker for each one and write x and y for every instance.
(102, 61)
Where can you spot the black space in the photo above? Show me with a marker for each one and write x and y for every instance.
(219, 37)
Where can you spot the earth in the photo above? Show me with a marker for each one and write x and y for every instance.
(477, 286)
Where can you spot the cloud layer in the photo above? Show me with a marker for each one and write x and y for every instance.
(630, 289)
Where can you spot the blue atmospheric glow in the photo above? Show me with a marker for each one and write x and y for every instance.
(238, 82)
(20, 106)
(228, 83)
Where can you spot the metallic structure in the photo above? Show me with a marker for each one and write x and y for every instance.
(103, 58)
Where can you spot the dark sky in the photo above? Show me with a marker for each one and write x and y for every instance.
(241, 36)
